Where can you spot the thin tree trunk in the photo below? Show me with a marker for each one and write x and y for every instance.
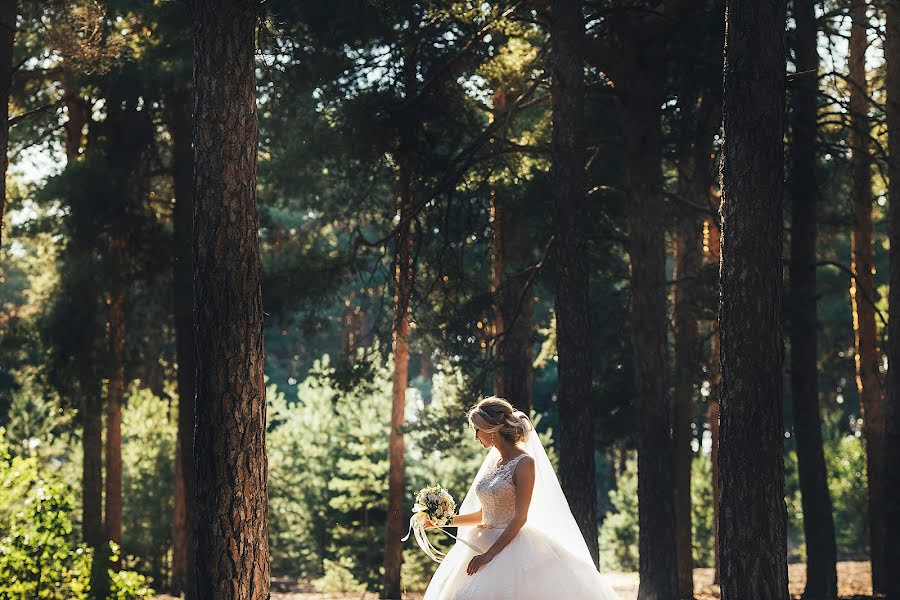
(115, 393)
(8, 14)
(752, 515)
(393, 547)
(92, 470)
(513, 303)
(185, 477)
(641, 100)
(76, 114)
(231, 529)
(513, 306)
(576, 411)
(818, 522)
(686, 340)
(891, 523)
(694, 175)
(89, 384)
(862, 291)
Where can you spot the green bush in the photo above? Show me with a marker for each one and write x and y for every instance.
(40, 558)
(619, 532)
(338, 578)
(148, 455)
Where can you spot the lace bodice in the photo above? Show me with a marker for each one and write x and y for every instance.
(497, 494)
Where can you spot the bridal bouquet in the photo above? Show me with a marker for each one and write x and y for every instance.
(434, 504)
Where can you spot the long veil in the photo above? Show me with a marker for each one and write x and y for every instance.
(549, 510)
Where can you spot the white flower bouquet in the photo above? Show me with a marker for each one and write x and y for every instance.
(434, 504)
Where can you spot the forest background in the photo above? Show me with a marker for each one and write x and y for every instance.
(404, 160)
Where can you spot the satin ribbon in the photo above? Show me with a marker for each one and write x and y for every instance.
(425, 544)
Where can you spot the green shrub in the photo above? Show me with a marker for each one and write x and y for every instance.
(619, 532)
(338, 578)
(40, 558)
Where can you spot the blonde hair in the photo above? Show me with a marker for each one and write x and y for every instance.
(496, 415)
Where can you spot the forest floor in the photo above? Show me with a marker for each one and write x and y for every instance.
(854, 581)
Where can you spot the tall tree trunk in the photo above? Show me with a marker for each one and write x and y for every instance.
(686, 340)
(115, 392)
(403, 282)
(8, 13)
(700, 121)
(818, 522)
(752, 515)
(862, 290)
(641, 94)
(513, 306)
(231, 529)
(891, 523)
(179, 122)
(92, 470)
(576, 410)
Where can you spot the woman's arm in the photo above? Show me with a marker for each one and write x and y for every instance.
(523, 476)
(462, 520)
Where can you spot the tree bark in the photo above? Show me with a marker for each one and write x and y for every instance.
(179, 123)
(513, 306)
(891, 522)
(8, 13)
(862, 290)
(752, 515)
(576, 411)
(115, 392)
(403, 281)
(641, 92)
(818, 522)
(231, 549)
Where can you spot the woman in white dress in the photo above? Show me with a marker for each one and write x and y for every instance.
(517, 516)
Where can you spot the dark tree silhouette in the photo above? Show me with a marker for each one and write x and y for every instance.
(700, 120)
(862, 289)
(403, 281)
(891, 523)
(179, 124)
(752, 515)
(577, 467)
(8, 13)
(231, 548)
(818, 523)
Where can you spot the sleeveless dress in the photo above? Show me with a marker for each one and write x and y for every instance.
(531, 567)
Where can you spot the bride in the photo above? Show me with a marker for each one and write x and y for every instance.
(515, 513)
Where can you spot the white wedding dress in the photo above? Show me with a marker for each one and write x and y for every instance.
(536, 564)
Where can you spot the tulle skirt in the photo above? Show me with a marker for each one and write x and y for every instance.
(531, 567)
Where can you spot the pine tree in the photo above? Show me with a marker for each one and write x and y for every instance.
(231, 549)
(752, 523)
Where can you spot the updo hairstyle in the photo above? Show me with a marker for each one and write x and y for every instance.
(496, 415)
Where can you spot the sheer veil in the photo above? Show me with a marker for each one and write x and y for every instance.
(549, 510)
